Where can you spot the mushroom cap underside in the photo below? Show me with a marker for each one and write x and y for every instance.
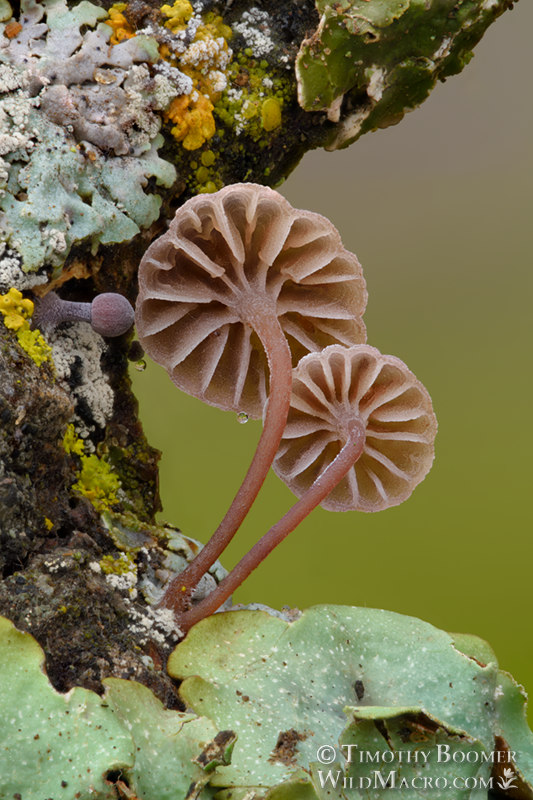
(332, 388)
(231, 265)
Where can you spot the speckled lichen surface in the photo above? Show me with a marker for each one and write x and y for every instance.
(81, 745)
(108, 114)
(271, 698)
(336, 676)
(79, 137)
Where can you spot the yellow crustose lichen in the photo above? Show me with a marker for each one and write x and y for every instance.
(97, 482)
(122, 565)
(270, 114)
(204, 61)
(72, 443)
(16, 311)
(178, 14)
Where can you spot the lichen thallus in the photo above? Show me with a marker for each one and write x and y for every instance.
(241, 287)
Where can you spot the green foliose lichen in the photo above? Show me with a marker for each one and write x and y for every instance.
(81, 745)
(306, 693)
(311, 697)
(382, 58)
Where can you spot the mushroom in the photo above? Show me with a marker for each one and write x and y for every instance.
(343, 386)
(359, 435)
(236, 291)
(109, 314)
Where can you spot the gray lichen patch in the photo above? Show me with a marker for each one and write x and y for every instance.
(84, 589)
(89, 600)
(77, 352)
(91, 622)
(254, 27)
(79, 136)
(12, 274)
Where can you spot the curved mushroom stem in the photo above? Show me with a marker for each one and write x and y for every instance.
(323, 485)
(278, 354)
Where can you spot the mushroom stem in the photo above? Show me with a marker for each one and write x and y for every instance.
(278, 355)
(322, 486)
(51, 310)
(109, 314)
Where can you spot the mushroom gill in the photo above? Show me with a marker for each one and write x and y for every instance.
(333, 388)
(229, 267)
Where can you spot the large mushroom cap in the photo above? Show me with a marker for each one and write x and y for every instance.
(330, 390)
(228, 261)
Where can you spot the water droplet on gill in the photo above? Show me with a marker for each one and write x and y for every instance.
(140, 366)
(242, 417)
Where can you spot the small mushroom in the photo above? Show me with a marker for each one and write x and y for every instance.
(359, 435)
(233, 268)
(334, 389)
(109, 314)
(238, 289)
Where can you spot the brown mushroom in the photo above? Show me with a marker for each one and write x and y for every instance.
(341, 385)
(234, 267)
(359, 435)
(238, 289)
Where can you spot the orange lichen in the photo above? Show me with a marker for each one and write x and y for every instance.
(122, 29)
(12, 29)
(193, 118)
(204, 61)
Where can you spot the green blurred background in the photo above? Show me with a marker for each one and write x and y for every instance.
(439, 212)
